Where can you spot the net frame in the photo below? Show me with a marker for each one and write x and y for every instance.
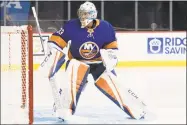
(26, 67)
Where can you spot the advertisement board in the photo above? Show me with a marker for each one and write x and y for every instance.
(159, 46)
(136, 49)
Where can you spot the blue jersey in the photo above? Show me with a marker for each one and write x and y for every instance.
(85, 43)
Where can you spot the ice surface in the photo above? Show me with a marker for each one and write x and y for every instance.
(162, 89)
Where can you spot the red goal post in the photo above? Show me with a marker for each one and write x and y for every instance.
(17, 74)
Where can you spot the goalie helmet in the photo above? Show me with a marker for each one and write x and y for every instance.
(87, 13)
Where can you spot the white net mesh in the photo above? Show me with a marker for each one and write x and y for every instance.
(14, 75)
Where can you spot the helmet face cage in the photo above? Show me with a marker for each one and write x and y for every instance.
(82, 14)
(87, 13)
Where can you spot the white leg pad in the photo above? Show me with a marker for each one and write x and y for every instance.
(123, 97)
(76, 75)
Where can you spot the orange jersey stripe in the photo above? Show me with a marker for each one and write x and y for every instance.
(58, 40)
(111, 45)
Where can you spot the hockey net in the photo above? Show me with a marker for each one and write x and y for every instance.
(16, 75)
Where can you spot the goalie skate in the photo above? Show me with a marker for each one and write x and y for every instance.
(63, 114)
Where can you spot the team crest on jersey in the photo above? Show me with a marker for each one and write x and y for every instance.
(88, 50)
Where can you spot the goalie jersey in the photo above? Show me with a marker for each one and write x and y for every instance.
(85, 43)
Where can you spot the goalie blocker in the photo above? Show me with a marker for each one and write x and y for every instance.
(106, 82)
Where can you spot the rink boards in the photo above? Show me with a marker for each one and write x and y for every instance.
(136, 49)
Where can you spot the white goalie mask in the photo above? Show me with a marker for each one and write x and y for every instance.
(87, 13)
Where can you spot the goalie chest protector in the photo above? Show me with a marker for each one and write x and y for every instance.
(86, 43)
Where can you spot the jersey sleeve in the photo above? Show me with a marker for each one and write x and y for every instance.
(111, 41)
(60, 37)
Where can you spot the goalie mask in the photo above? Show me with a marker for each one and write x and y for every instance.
(87, 13)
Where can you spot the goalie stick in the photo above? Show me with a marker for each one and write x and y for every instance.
(47, 55)
(38, 27)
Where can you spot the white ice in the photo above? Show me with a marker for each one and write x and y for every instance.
(163, 90)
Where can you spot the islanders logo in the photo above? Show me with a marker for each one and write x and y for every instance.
(88, 50)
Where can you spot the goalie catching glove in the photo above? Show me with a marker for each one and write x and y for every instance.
(109, 57)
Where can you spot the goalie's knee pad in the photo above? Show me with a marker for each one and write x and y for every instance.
(109, 86)
(77, 73)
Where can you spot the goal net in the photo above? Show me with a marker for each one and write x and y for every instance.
(16, 75)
